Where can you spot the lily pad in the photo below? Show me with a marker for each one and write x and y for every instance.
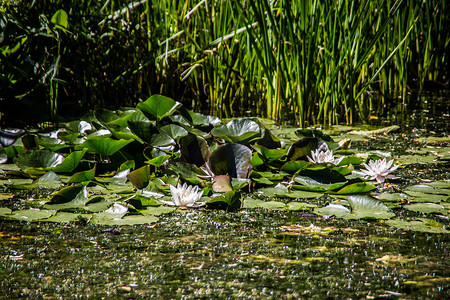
(38, 159)
(303, 147)
(49, 179)
(83, 176)
(65, 217)
(103, 146)
(230, 201)
(256, 203)
(150, 134)
(32, 214)
(332, 209)
(231, 159)
(364, 206)
(422, 225)
(194, 149)
(427, 208)
(238, 131)
(71, 162)
(157, 107)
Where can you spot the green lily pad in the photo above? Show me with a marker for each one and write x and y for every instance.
(114, 213)
(157, 210)
(230, 201)
(231, 159)
(4, 211)
(32, 214)
(103, 146)
(356, 188)
(49, 179)
(237, 131)
(140, 177)
(65, 217)
(294, 206)
(157, 107)
(174, 131)
(422, 197)
(332, 209)
(187, 171)
(70, 163)
(150, 134)
(293, 167)
(83, 176)
(427, 208)
(364, 206)
(38, 159)
(270, 155)
(68, 198)
(256, 203)
(421, 225)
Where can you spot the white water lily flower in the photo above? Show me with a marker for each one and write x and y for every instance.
(378, 170)
(318, 157)
(185, 196)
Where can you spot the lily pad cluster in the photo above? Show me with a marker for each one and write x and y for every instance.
(121, 167)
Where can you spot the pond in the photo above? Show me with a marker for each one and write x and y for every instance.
(312, 240)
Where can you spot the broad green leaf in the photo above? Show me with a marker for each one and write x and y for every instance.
(186, 171)
(429, 208)
(418, 225)
(4, 211)
(158, 107)
(293, 167)
(114, 213)
(368, 207)
(231, 159)
(174, 131)
(70, 163)
(158, 161)
(302, 194)
(150, 134)
(83, 176)
(103, 146)
(38, 159)
(157, 210)
(69, 198)
(60, 19)
(120, 178)
(270, 155)
(293, 206)
(237, 131)
(332, 209)
(49, 179)
(32, 214)
(356, 188)
(66, 217)
(230, 201)
(140, 177)
(125, 221)
(256, 203)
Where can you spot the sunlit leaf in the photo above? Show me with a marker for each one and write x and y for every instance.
(140, 177)
(49, 179)
(237, 130)
(103, 146)
(70, 163)
(150, 134)
(230, 201)
(83, 176)
(32, 214)
(158, 107)
(426, 208)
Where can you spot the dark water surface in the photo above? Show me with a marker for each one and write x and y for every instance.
(214, 254)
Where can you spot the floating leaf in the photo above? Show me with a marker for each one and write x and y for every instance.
(174, 131)
(230, 201)
(356, 188)
(158, 107)
(140, 177)
(65, 217)
(114, 213)
(70, 163)
(32, 214)
(256, 203)
(158, 161)
(368, 207)
(69, 198)
(293, 167)
(83, 176)
(237, 131)
(294, 206)
(427, 208)
(332, 209)
(221, 184)
(103, 146)
(186, 171)
(4, 211)
(419, 225)
(270, 155)
(38, 159)
(49, 179)
(150, 134)
(231, 159)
